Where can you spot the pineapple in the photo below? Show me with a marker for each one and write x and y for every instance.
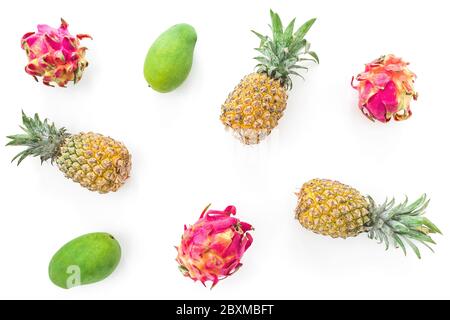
(331, 208)
(96, 162)
(256, 105)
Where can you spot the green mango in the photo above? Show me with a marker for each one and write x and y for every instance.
(169, 59)
(84, 260)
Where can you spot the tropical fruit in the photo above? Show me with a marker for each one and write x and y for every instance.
(169, 59)
(55, 54)
(96, 162)
(386, 89)
(257, 103)
(212, 248)
(333, 209)
(85, 260)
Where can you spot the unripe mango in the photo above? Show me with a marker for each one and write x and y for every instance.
(84, 260)
(169, 59)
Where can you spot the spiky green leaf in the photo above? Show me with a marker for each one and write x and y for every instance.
(399, 243)
(42, 139)
(285, 51)
(431, 226)
(402, 223)
(289, 31)
(413, 247)
(303, 30)
(314, 55)
(277, 25)
(260, 36)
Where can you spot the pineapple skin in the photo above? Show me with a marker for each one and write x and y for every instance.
(96, 162)
(333, 209)
(254, 107)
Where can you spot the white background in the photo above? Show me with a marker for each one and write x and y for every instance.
(183, 158)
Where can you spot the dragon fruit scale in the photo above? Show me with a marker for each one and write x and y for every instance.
(386, 89)
(55, 54)
(212, 248)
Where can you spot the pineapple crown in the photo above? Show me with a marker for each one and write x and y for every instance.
(282, 54)
(402, 224)
(41, 138)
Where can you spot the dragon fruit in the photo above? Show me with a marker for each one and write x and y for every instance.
(386, 89)
(212, 248)
(55, 55)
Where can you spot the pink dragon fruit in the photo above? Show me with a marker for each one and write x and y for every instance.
(55, 55)
(386, 89)
(212, 248)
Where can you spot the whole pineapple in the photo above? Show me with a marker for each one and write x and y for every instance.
(256, 105)
(96, 162)
(331, 208)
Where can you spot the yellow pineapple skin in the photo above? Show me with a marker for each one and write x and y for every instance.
(254, 107)
(333, 209)
(96, 162)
